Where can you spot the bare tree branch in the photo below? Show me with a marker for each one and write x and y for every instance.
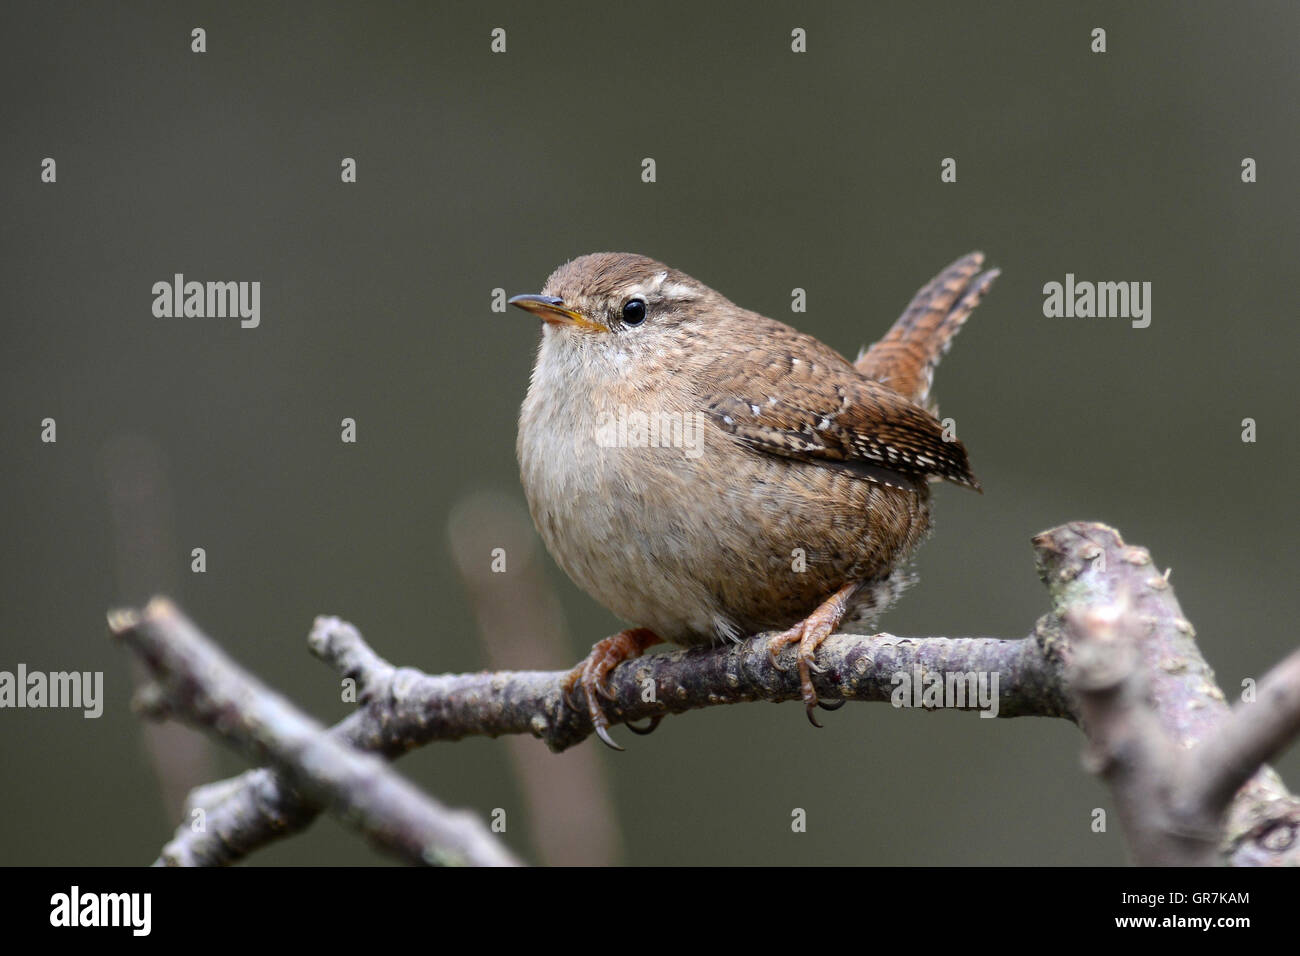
(1186, 772)
(196, 682)
(1257, 731)
(1143, 696)
(1129, 748)
(406, 708)
(402, 708)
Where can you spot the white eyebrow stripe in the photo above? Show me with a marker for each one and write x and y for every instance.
(646, 289)
(677, 289)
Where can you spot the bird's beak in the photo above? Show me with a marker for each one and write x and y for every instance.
(551, 309)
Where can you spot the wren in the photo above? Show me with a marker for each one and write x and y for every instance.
(707, 473)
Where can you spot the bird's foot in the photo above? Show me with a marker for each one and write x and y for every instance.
(591, 672)
(809, 634)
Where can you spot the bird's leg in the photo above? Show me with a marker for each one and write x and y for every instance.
(809, 635)
(591, 672)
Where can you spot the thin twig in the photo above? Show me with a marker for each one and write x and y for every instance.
(196, 682)
(1255, 732)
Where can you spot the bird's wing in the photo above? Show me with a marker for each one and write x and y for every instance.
(824, 413)
(905, 359)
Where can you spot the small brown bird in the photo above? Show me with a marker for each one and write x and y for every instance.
(708, 473)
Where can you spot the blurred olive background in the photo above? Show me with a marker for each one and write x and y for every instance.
(479, 171)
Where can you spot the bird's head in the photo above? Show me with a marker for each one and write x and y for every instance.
(616, 304)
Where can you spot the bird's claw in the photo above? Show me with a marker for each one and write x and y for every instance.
(809, 634)
(779, 642)
(591, 674)
(644, 731)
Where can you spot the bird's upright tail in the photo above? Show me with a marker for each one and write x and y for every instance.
(905, 359)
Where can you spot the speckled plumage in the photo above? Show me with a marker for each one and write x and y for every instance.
(806, 460)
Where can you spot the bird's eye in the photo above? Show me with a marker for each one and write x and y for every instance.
(634, 312)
